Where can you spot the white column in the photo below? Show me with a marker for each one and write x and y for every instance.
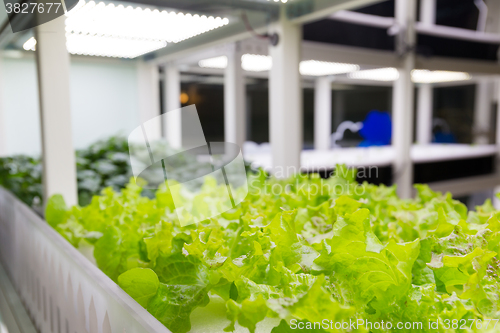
(3, 136)
(338, 108)
(173, 126)
(234, 98)
(493, 25)
(424, 114)
(322, 113)
(149, 96)
(402, 105)
(285, 98)
(482, 112)
(428, 12)
(52, 58)
(496, 189)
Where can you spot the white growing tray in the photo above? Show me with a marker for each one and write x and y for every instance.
(62, 290)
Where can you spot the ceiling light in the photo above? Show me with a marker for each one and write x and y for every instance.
(256, 63)
(217, 62)
(379, 74)
(30, 44)
(417, 75)
(107, 46)
(427, 76)
(259, 63)
(320, 68)
(129, 22)
(128, 32)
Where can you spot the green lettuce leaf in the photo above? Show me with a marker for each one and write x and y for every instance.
(140, 283)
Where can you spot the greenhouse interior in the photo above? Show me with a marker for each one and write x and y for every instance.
(261, 166)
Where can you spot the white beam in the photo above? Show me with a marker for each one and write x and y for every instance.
(173, 123)
(52, 58)
(424, 114)
(402, 113)
(424, 27)
(354, 55)
(334, 6)
(428, 12)
(234, 98)
(458, 65)
(285, 98)
(482, 111)
(457, 33)
(363, 19)
(347, 54)
(148, 84)
(322, 113)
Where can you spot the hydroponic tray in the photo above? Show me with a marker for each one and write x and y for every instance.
(62, 290)
(375, 156)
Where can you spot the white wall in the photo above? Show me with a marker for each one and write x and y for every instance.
(20, 107)
(104, 102)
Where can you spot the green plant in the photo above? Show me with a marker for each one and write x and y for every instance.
(318, 250)
(321, 249)
(23, 176)
(103, 164)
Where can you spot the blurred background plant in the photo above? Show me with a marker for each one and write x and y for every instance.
(103, 164)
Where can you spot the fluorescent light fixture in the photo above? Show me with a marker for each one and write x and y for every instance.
(30, 44)
(249, 62)
(259, 63)
(320, 68)
(107, 46)
(417, 75)
(217, 62)
(138, 23)
(427, 76)
(256, 62)
(128, 32)
(379, 74)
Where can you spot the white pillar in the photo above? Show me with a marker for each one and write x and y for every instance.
(424, 114)
(52, 58)
(496, 189)
(493, 25)
(285, 98)
(482, 112)
(234, 98)
(149, 96)
(173, 126)
(338, 108)
(428, 12)
(402, 105)
(3, 136)
(322, 113)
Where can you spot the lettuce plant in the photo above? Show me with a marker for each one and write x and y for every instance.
(307, 254)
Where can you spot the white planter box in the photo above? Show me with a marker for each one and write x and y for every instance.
(62, 291)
